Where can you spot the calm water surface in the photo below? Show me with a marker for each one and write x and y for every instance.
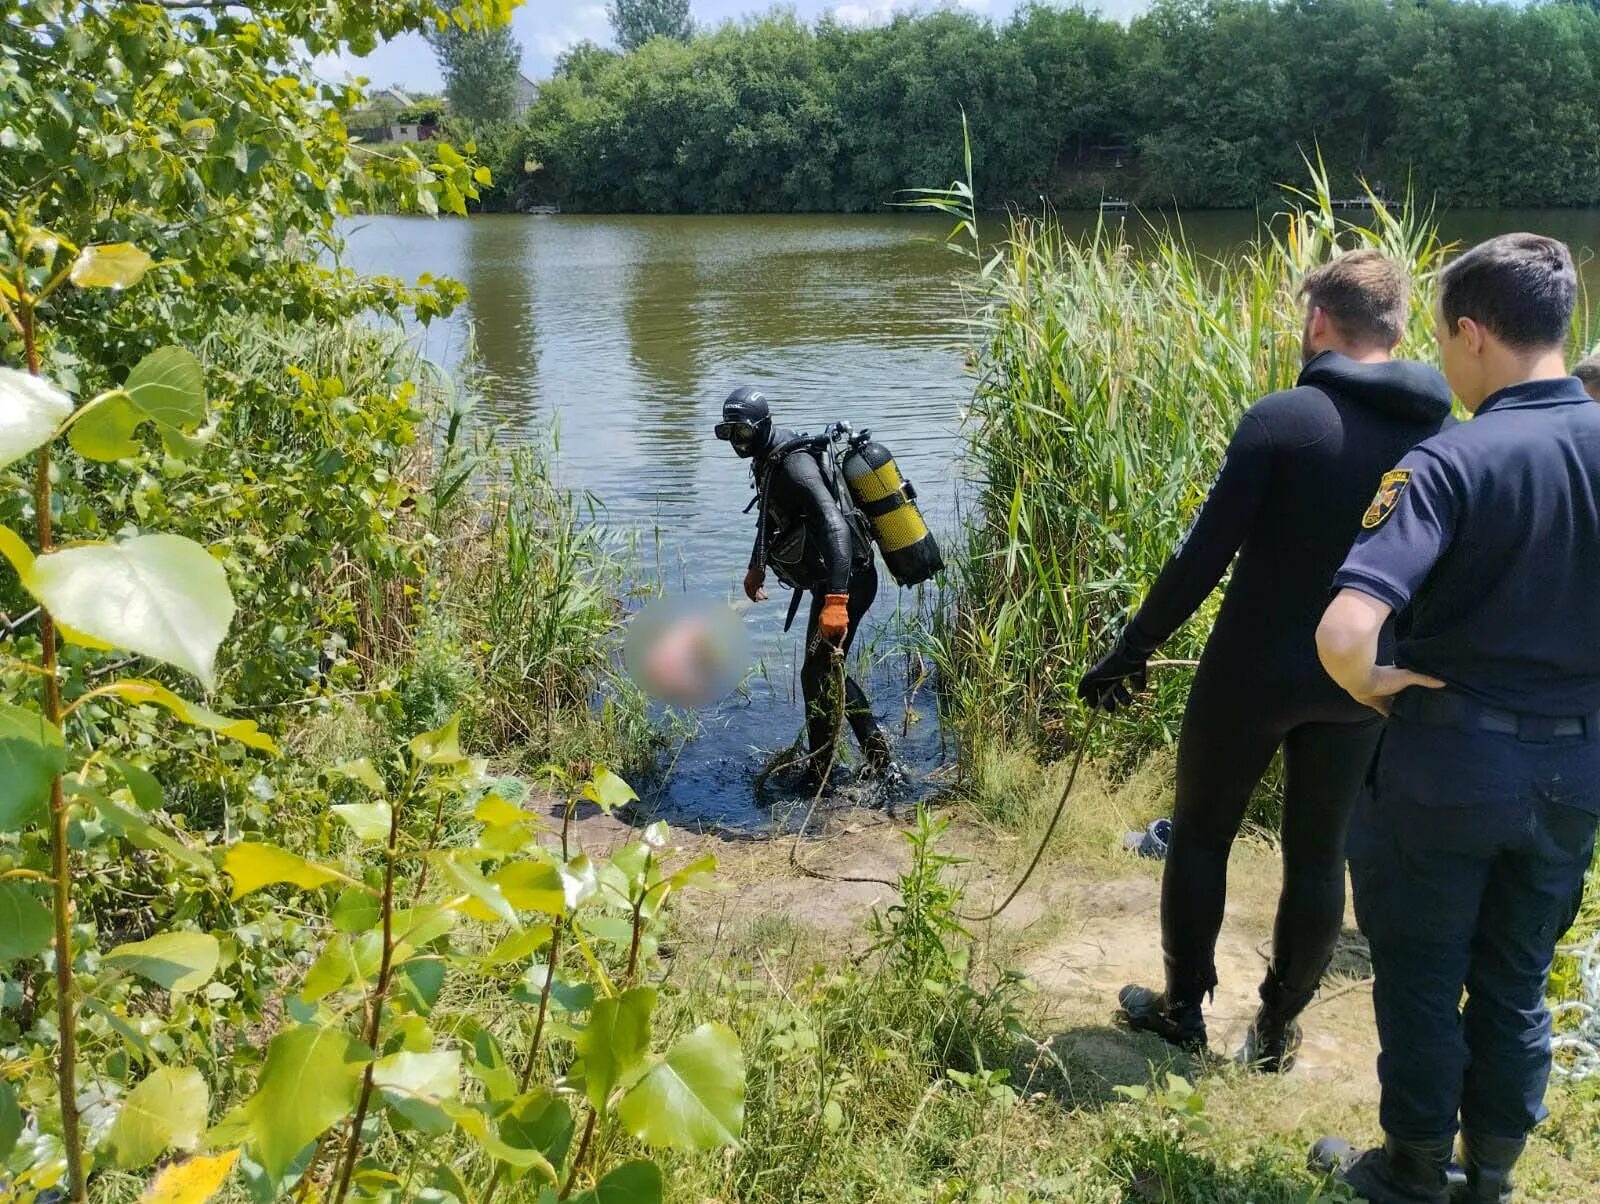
(623, 334)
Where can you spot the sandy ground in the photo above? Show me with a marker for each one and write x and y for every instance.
(1079, 933)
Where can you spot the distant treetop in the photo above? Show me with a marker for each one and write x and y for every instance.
(637, 21)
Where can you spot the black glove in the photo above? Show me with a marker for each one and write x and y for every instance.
(1113, 682)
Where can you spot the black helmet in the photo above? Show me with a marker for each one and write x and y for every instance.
(746, 421)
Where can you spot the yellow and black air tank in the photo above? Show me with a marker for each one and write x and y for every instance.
(889, 503)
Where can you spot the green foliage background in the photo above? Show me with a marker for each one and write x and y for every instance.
(1195, 103)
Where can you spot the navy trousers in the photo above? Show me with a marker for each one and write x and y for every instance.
(1467, 860)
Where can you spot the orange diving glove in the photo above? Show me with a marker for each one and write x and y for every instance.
(835, 621)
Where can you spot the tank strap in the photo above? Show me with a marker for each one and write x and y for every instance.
(884, 505)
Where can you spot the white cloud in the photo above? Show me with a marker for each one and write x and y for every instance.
(586, 21)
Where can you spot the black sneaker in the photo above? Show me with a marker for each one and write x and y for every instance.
(1147, 1011)
(1270, 1047)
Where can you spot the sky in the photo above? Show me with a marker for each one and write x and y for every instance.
(547, 27)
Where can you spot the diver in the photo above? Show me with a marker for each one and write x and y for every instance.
(816, 542)
(1289, 497)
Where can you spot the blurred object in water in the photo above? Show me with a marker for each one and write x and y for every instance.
(688, 650)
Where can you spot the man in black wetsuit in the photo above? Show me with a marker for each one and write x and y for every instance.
(1298, 475)
(815, 543)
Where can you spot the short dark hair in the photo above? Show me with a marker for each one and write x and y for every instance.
(1588, 370)
(1520, 287)
(1365, 293)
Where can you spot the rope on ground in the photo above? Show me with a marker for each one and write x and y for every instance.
(1061, 807)
(822, 785)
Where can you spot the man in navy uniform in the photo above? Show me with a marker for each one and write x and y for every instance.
(1468, 856)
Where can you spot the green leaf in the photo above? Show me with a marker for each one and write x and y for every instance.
(696, 872)
(532, 886)
(417, 1085)
(158, 595)
(419, 982)
(496, 812)
(356, 910)
(608, 790)
(369, 821)
(166, 388)
(334, 967)
(10, 1119)
(253, 866)
(519, 945)
(146, 790)
(636, 1182)
(31, 408)
(31, 757)
(310, 1082)
(539, 1121)
(191, 1182)
(143, 834)
(245, 731)
(476, 1125)
(178, 961)
(694, 1098)
(25, 927)
(15, 550)
(360, 770)
(167, 1111)
(485, 900)
(615, 1042)
(115, 265)
(441, 747)
(579, 880)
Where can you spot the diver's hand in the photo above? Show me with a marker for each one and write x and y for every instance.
(1113, 682)
(834, 622)
(755, 585)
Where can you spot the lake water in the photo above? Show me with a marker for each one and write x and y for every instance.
(625, 333)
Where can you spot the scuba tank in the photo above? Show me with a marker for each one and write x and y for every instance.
(890, 506)
(880, 505)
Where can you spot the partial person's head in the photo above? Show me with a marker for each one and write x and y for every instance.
(1588, 371)
(746, 422)
(1355, 305)
(1504, 313)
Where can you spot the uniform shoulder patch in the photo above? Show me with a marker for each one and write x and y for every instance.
(1389, 490)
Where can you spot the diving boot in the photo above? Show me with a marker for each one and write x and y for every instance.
(1397, 1172)
(1271, 1045)
(1488, 1162)
(1176, 1022)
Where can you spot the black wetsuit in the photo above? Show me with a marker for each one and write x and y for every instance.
(1300, 471)
(813, 545)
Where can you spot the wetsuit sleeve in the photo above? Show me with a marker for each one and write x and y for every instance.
(1404, 532)
(825, 522)
(1218, 530)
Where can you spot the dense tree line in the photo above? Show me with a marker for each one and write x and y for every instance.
(1198, 102)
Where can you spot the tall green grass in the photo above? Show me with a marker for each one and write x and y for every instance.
(1110, 374)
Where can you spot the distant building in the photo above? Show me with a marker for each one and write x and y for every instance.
(390, 115)
(527, 93)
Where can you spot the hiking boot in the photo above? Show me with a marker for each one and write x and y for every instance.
(1175, 1022)
(1397, 1172)
(1273, 1041)
(1271, 1045)
(1488, 1162)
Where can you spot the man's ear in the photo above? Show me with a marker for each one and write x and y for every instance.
(1473, 335)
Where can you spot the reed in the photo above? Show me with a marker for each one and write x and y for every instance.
(1110, 373)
